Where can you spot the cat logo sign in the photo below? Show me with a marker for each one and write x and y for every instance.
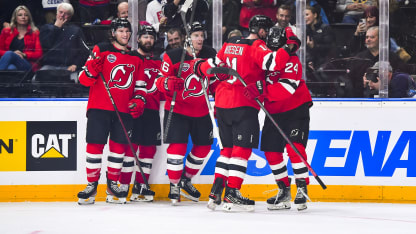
(51, 146)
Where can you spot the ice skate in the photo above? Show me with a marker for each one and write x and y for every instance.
(216, 194)
(115, 194)
(301, 195)
(188, 190)
(174, 194)
(282, 200)
(234, 201)
(87, 196)
(140, 193)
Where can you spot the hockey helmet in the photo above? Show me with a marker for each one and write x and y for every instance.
(259, 21)
(276, 38)
(146, 30)
(120, 23)
(195, 27)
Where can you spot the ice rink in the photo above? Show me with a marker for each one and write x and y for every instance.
(189, 217)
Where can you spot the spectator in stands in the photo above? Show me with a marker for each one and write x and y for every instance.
(155, 16)
(175, 39)
(319, 39)
(401, 85)
(370, 19)
(172, 11)
(90, 10)
(230, 17)
(49, 9)
(353, 9)
(61, 42)
(123, 10)
(251, 8)
(372, 52)
(235, 33)
(20, 48)
(283, 16)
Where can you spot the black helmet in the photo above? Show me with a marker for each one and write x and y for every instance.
(146, 30)
(276, 38)
(195, 27)
(120, 23)
(259, 21)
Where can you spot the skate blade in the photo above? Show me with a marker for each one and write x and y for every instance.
(279, 206)
(302, 207)
(141, 198)
(230, 207)
(175, 202)
(115, 200)
(88, 201)
(211, 204)
(187, 196)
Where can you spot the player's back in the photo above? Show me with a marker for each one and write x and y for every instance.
(246, 57)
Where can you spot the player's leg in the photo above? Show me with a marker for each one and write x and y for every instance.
(272, 143)
(299, 132)
(98, 128)
(118, 145)
(140, 191)
(245, 137)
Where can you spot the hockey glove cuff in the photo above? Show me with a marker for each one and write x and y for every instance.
(196, 66)
(255, 90)
(136, 106)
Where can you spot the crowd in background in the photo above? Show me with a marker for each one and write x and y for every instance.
(38, 38)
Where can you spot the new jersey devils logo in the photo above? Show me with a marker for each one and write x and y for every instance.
(193, 87)
(121, 76)
(151, 74)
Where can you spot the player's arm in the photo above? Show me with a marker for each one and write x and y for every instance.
(287, 84)
(168, 82)
(138, 101)
(92, 68)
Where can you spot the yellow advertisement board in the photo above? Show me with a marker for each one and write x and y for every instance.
(13, 146)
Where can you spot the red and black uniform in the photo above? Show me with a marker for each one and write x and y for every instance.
(146, 134)
(288, 100)
(121, 73)
(237, 115)
(190, 115)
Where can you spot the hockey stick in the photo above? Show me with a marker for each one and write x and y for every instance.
(119, 118)
(232, 72)
(210, 109)
(184, 9)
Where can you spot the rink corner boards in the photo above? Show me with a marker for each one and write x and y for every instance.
(258, 192)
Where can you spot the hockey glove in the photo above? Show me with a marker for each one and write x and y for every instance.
(136, 106)
(221, 76)
(173, 83)
(292, 39)
(196, 65)
(93, 67)
(254, 90)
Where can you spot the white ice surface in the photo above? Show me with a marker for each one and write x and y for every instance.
(189, 217)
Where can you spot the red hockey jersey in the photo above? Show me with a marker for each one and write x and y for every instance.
(250, 58)
(285, 88)
(121, 73)
(190, 101)
(149, 71)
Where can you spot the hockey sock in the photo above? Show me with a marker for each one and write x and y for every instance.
(299, 169)
(176, 153)
(146, 155)
(115, 159)
(238, 166)
(128, 165)
(195, 159)
(221, 167)
(278, 166)
(94, 161)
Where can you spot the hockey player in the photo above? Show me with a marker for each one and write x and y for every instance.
(190, 116)
(236, 115)
(146, 128)
(288, 100)
(120, 72)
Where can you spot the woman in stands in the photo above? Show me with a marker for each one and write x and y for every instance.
(20, 47)
(370, 18)
(319, 38)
